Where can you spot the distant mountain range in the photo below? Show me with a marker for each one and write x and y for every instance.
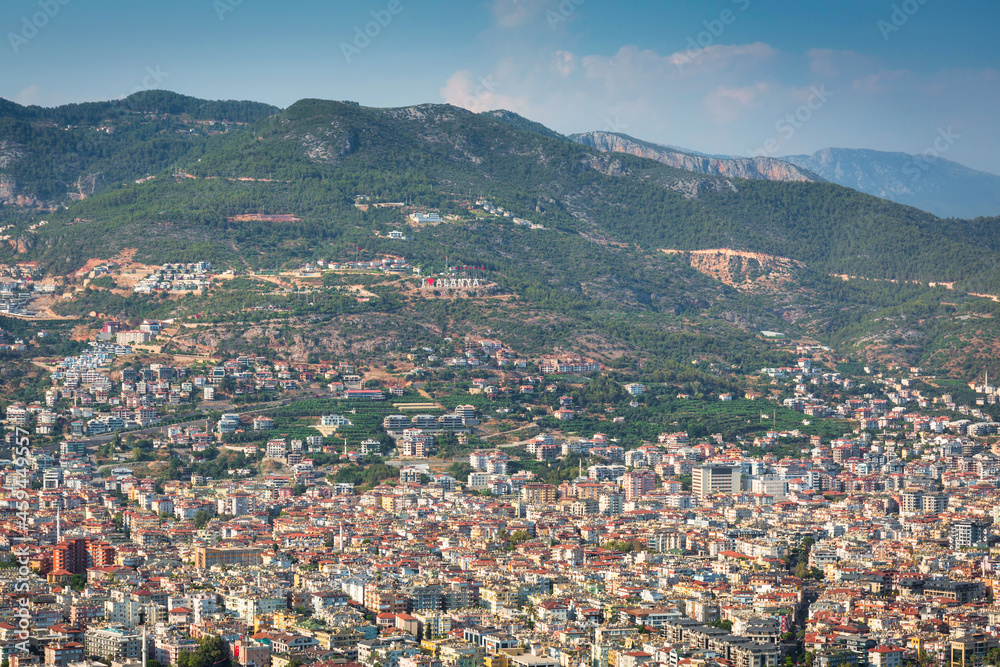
(942, 187)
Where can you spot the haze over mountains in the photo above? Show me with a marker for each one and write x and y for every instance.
(933, 184)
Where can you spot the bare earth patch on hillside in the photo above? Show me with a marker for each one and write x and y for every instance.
(751, 272)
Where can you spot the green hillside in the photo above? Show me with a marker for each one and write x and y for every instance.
(594, 269)
(81, 149)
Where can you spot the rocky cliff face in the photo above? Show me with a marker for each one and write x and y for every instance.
(752, 272)
(9, 154)
(11, 196)
(761, 168)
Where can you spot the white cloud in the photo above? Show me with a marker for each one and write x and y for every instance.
(726, 104)
(720, 56)
(464, 89)
(515, 13)
(564, 62)
(822, 62)
(28, 96)
(878, 82)
(632, 88)
(728, 98)
(631, 63)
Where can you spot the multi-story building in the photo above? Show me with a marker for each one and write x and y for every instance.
(276, 449)
(775, 487)
(168, 648)
(433, 623)
(935, 503)
(540, 494)
(911, 501)
(71, 556)
(385, 601)
(101, 554)
(205, 557)
(964, 534)
(637, 483)
(335, 420)
(125, 612)
(709, 480)
(249, 606)
(425, 598)
(610, 504)
(60, 654)
(410, 475)
(248, 653)
(132, 337)
(395, 422)
(17, 414)
(228, 423)
(115, 642)
(498, 597)
(886, 656)
(971, 649)
(235, 504)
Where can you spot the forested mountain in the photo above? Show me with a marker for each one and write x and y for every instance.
(50, 155)
(928, 182)
(521, 123)
(590, 272)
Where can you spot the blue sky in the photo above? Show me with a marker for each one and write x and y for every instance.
(739, 77)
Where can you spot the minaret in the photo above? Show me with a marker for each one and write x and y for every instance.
(58, 525)
(144, 649)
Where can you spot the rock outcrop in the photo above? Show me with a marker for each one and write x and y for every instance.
(760, 168)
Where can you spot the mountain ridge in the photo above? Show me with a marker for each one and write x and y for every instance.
(766, 168)
(431, 152)
(575, 252)
(928, 182)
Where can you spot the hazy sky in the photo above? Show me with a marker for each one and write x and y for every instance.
(722, 76)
